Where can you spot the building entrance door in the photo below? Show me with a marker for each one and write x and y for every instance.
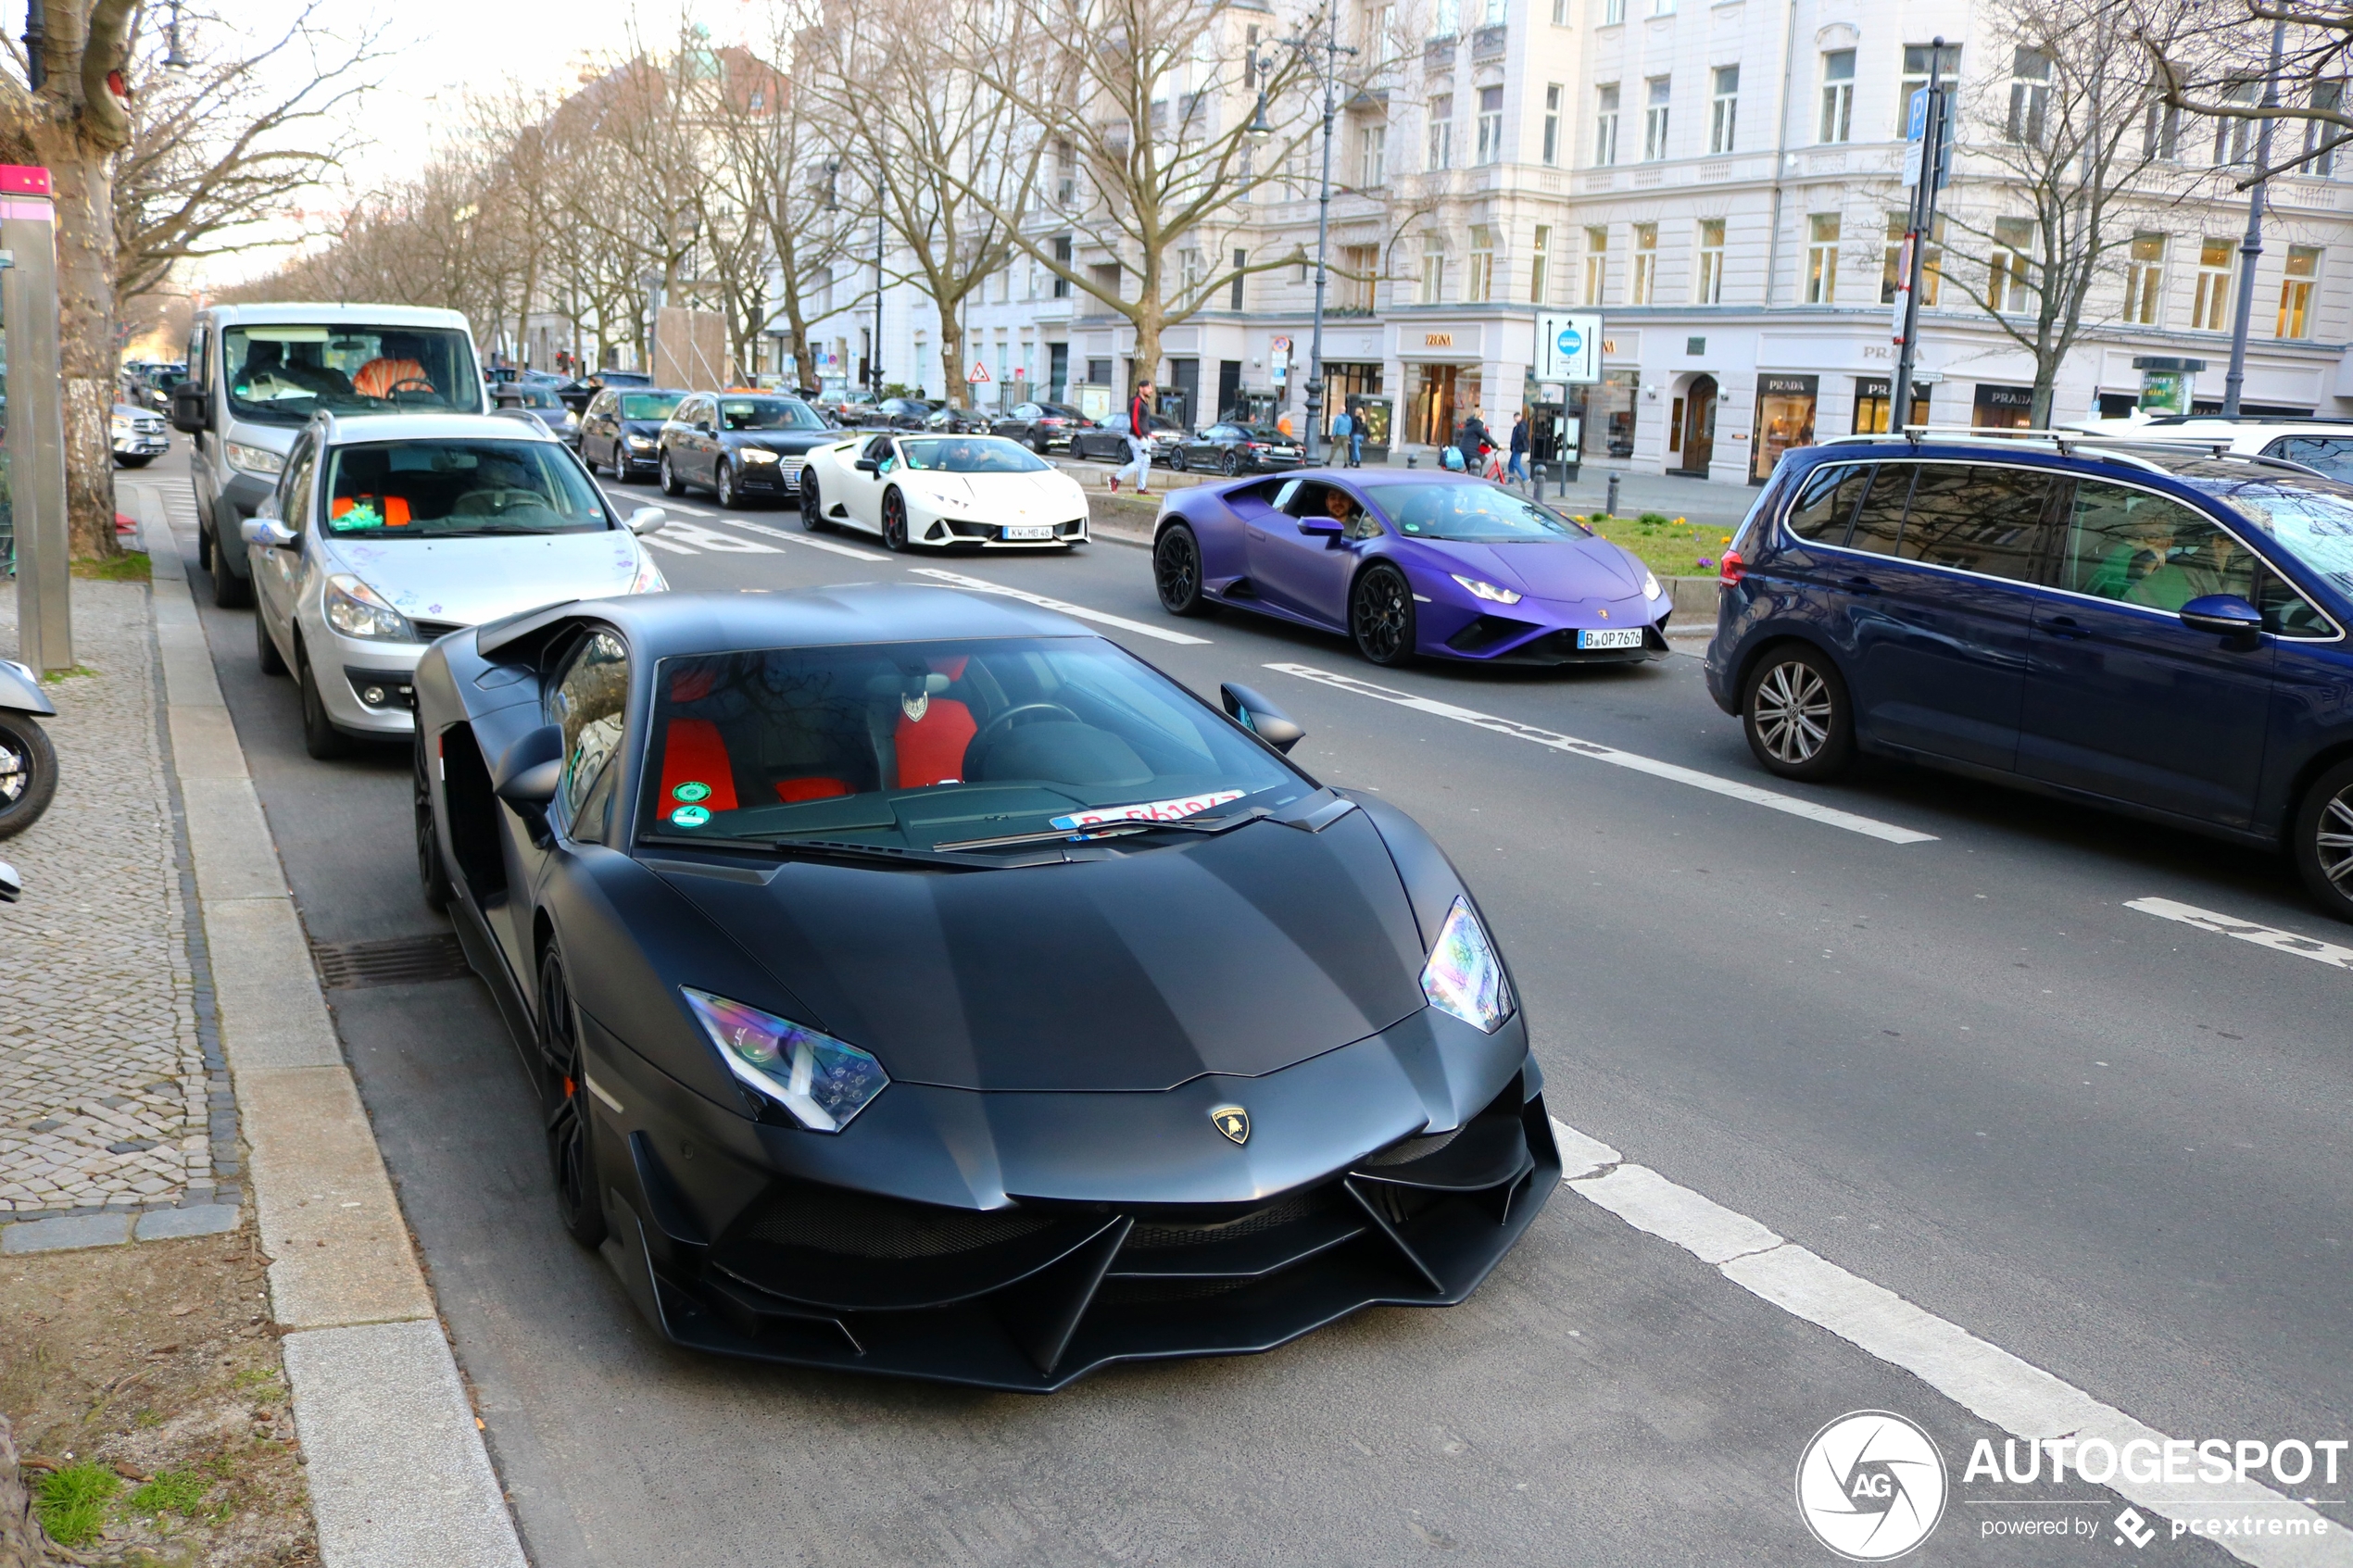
(1432, 411)
(1699, 426)
(1230, 388)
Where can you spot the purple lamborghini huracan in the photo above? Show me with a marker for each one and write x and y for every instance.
(1410, 563)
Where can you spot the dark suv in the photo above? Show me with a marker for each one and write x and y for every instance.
(2156, 631)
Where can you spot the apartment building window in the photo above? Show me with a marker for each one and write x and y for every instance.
(2320, 138)
(1433, 268)
(1560, 13)
(2030, 95)
(2208, 309)
(1613, 12)
(1606, 125)
(1724, 113)
(1372, 157)
(2161, 134)
(1539, 266)
(1552, 122)
(2296, 291)
(1380, 26)
(1234, 298)
(1596, 264)
(1479, 286)
(2234, 139)
(2010, 280)
(1065, 173)
(1948, 71)
(2145, 281)
(1359, 270)
(1654, 95)
(1645, 264)
(1662, 7)
(1891, 276)
(1494, 17)
(1821, 259)
(1838, 95)
(1442, 133)
(1711, 274)
(1490, 125)
(1062, 258)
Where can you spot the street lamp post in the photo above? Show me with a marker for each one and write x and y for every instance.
(1332, 49)
(1923, 224)
(2251, 247)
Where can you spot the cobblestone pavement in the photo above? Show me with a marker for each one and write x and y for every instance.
(104, 1093)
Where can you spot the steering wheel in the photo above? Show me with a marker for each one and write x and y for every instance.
(1003, 722)
(474, 503)
(391, 393)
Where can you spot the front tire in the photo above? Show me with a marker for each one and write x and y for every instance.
(1796, 713)
(725, 488)
(431, 874)
(570, 1118)
(1231, 464)
(228, 590)
(320, 736)
(1176, 571)
(894, 521)
(1380, 616)
(1176, 460)
(2322, 845)
(28, 772)
(813, 505)
(670, 484)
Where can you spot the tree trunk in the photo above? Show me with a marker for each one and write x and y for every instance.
(951, 359)
(83, 179)
(23, 1544)
(1150, 318)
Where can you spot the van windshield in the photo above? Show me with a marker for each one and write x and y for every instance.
(285, 374)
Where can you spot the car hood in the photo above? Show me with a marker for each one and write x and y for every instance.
(1566, 569)
(1020, 493)
(1239, 953)
(471, 581)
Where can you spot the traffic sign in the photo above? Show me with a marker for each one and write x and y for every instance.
(978, 373)
(1568, 347)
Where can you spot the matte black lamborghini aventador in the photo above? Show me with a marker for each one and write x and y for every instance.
(920, 984)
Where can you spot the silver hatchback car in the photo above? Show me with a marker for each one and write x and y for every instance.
(387, 532)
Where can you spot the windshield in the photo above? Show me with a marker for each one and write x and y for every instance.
(2312, 520)
(949, 454)
(913, 745)
(1470, 514)
(282, 375)
(767, 413)
(445, 489)
(650, 405)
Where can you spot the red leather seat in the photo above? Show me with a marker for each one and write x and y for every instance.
(931, 750)
(693, 752)
(792, 792)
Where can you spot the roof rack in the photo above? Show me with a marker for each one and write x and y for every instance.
(2070, 443)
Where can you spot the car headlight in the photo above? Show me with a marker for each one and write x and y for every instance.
(357, 610)
(824, 1082)
(120, 425)
(1464, 976)
(1487, 591)
(254, 459)
(650, 579)
(639, 443)
(758, 455)
(1650, 586)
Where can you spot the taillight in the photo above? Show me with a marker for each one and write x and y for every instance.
(1731, 569)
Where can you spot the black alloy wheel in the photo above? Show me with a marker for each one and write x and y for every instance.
(1231, 462)
(1795, 711)
(2323, 842)
(571, 1120)
(1380, 616)
(265, 649)
(228, 590)
(1177, 459)
(1176, 571)
(724, 487)
(1038, 444)
(670, 484)
(812, 505)
(320, 736)
(433, 875)
(894, 520)
(28, 771)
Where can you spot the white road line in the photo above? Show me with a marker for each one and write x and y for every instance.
(676, 548)
(852, 551)
(2246, 931)
(1990, 1382)
(1827, 815)
(982, 585)
(711, 539)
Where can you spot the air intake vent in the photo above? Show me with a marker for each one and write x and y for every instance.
(409, 960)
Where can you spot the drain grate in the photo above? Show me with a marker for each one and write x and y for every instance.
(408, 960)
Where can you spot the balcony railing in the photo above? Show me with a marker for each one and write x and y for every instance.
(1487, 44)
(1439, 54)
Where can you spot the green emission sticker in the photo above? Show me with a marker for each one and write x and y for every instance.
(690, 816)
(691, 792)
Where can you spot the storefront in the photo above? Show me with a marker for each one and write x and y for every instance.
(1784, 419)
(1437, 397)
(1871, 397)
(1607, 408)
(1347, 379)
(2001, 408)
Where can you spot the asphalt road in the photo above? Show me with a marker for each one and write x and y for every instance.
(2110, 1143)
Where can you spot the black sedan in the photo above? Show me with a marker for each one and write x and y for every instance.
(1232, 448)
(540, 399)
(1039, 426)
(621, 429)
(1106, 439)
(891, 413)
(741, 446)
(580, 391)
(916, 983)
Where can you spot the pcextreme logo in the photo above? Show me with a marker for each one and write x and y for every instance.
(1871, 1485)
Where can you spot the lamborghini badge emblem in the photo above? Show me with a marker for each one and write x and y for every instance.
(1232, 1121)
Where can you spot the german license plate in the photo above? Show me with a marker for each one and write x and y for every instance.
(1615, 638)
(1038, 531)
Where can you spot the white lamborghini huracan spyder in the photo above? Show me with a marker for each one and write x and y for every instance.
(941, 490)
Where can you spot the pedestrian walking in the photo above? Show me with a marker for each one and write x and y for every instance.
(1140, 446)
(1518, 471)
(1355, 436)
(1473, 441)
(1341, 424)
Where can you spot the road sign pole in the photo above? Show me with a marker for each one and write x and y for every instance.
(36, 436)
(1899, 386)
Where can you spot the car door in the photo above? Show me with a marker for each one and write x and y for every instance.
(2123, 701)
(1939, 617)
(277, 574)
(587, 701)
(595, 432)
(862, 489)
(1305, 573)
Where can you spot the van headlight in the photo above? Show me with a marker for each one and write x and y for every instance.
(1464, 976)
(254, 459)
(357, 610)
(822, 1080)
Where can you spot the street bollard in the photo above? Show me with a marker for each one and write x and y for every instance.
(1609, 508)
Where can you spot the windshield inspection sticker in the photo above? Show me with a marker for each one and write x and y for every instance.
(1146, 812)
(690, 816)
(691, 791)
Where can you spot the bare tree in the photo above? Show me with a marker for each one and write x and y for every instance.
(2213, 59)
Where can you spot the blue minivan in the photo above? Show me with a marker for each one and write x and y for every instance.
(2156, 631)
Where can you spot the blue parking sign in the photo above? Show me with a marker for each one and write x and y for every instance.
(1916, 122)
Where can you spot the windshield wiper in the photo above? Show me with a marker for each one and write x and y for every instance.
(1118, 828)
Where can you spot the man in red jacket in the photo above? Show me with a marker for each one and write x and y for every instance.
(1140, 446)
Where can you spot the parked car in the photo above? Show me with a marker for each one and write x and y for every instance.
(743, 446)
(540, 399)
(1039, 426)
(1411, 564)
(976, 491)
(949, 420)
(621, 429)
(2323, 444)
(891, 413)
(1243, 1061)
(1106, 439)
(387, 532)
(2155, 631)
(578, 392)
(1232, 449)
(140, 436)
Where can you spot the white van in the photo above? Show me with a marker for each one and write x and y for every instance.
(257, 373)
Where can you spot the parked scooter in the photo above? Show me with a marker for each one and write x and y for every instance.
(28, 763)
(11, 885)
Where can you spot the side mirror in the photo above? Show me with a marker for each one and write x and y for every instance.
(2225, 615)
(11, 885)
(1321, 527)
(531, 769)
(868, 465)
(191, 409)
(270, 534)
(648, 519)
(1261, 717)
